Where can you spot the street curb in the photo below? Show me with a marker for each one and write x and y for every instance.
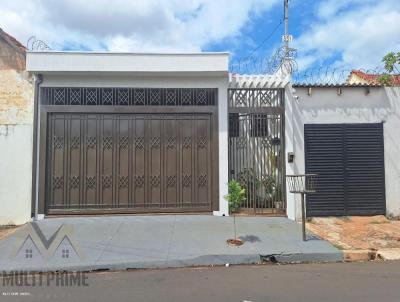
(369, 255)
(358, 255)
(388, 254)
(207, 260)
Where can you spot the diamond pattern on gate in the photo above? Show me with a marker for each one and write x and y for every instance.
(171, 97)
(202, 142)
(58, 182)
(139, 97)
(201, 97)
(187, 142)
(171, 142)
(123, 142)
(241, 143)
(91, 97)
(171, 181)
(107, 96)
(123, 97)
(107, 181)
(90, 182)
(75, 142)
(59, 97)
(123, 181)
(265, 98)
(240, 97)
(107, 142)
(58, 142)
(242, 179)
(139, 142)
(139, 181)
(74, 182)
(155, 180)
(202, 180)
(186, 180)
(75, 97)
(186, 97)
(91, 142)
(155, 97)
(265, 143)
(155, 142)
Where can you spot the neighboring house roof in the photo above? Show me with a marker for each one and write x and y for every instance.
(12, 41)
(360, 77)
(12, 53)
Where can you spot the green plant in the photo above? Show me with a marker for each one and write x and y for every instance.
(392, 62)
(236, 195)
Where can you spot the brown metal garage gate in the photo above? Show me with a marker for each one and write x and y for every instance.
(157, 157)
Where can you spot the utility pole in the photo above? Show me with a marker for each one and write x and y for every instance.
(286, 38)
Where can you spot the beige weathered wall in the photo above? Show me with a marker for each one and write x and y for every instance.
(16, 98)
(16, 118)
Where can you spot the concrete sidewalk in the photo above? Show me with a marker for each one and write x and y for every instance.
(121, 242)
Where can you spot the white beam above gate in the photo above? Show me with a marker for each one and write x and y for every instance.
(241, 81)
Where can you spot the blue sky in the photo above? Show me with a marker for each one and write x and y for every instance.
(334, 33)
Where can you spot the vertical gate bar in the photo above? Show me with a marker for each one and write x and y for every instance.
(50, 178)
(251, 154)
(100, 159)
(81, 161)
(66, 161)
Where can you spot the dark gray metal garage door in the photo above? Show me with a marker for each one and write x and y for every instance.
(349, 159)
(128, 150)
(142, 162)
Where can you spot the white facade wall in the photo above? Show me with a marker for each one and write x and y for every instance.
(15, 173)
(353, 105)
(116, 62)
(157, 81)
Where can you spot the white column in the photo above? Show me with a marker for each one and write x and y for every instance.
(223, 147)
(293, 136)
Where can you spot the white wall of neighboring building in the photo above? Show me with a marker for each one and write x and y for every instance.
(15, 173)
(353, 105)
(161, 81)
(16, 117)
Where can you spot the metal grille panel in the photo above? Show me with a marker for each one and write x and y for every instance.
(63, 96)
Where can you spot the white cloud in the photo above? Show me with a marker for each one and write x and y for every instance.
(352, 33)
(130, 25)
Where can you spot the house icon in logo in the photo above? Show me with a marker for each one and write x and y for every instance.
(32, 245)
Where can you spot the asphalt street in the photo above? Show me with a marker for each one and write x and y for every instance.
(371, 281)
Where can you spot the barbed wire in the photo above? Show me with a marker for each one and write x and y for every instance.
(282, 60)
(329, 75)
(35, 44)
(284, 63)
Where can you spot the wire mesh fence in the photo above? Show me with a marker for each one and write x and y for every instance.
(302, 183)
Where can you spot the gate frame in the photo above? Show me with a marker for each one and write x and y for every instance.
(265, 110)
(46, 110)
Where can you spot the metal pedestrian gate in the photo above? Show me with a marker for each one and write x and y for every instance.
(256, 148)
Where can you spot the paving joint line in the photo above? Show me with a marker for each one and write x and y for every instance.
(170, 239)
(109, 242)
